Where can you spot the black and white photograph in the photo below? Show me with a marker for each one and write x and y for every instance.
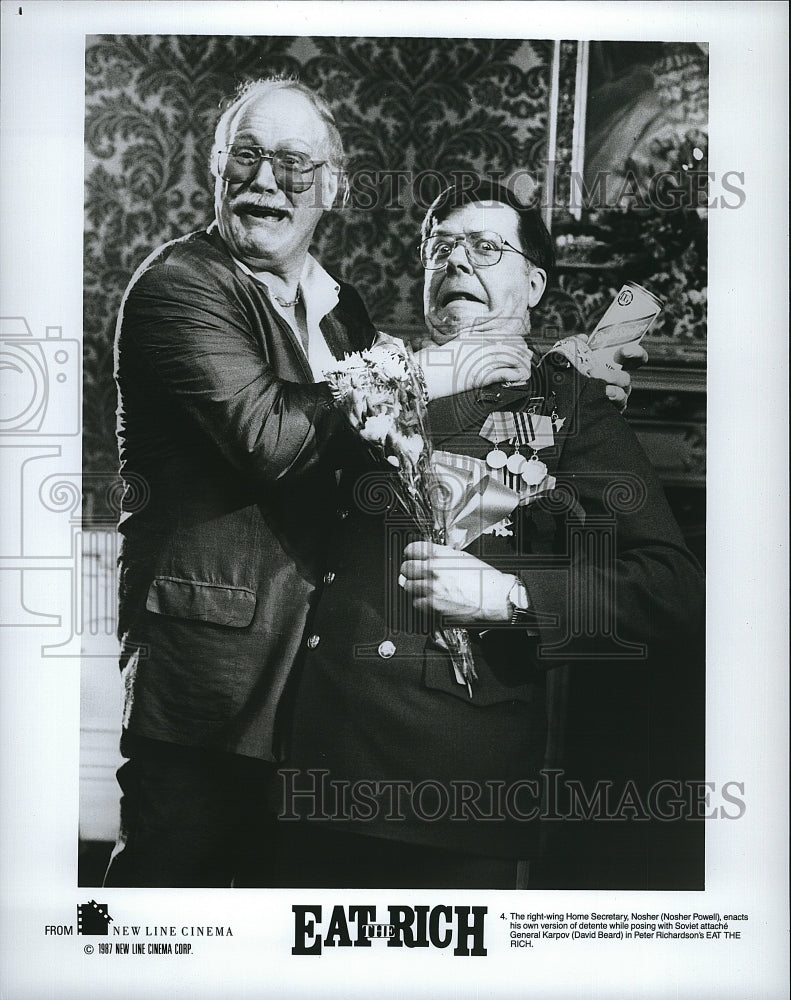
(283, 593)
(378, 431)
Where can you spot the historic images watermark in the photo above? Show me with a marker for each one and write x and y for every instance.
(369, 189)
(550, 796)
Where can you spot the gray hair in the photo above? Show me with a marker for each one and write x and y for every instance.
(253, 89)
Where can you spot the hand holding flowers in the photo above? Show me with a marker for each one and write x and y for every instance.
(382, 396)
(455, 584)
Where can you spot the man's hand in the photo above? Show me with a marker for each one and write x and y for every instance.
(619, 383)
(473, 360)
(590, 363)
(631, 356)
(440, 579)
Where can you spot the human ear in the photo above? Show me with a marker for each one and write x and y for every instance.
(537, 282)
(332, 180)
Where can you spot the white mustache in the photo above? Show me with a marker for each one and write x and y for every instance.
(245, 204)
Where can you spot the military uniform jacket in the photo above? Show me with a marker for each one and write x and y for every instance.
(376, 702)
(226, 449)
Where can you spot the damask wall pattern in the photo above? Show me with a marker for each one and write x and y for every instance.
(412, 112)
(407, 108)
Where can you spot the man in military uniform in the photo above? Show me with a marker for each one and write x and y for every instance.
(401, 773)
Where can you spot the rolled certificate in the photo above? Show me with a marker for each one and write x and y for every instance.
(626, 321)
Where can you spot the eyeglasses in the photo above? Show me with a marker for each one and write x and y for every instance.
(483, 249)
(294, 171)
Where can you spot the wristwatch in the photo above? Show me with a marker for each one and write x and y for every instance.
(518, 602)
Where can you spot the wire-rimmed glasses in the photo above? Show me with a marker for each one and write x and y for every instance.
(483, 249)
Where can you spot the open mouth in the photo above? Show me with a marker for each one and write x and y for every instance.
(457, 295)
(261, 211)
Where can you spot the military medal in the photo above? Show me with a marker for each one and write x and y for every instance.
(524, 429)
(496, 428)
(533, 431)
(496, 458)
(534, 471)
(516, 463)
(538, 429)
(513, 468)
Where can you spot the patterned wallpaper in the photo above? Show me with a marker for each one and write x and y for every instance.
(403, 106)
(406, 108)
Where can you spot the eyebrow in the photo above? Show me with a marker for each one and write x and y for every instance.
(443, 230)
(247, 139)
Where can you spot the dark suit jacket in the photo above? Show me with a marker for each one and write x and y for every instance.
(611, 583)
(226, 450)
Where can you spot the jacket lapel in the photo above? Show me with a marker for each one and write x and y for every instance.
(457, 420)
(336, 334)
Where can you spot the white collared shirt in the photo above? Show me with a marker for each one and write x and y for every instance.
(320, 296)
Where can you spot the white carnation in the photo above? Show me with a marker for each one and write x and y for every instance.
(378, 427)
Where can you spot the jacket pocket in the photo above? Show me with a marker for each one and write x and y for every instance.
(233, 607)
(522, 683)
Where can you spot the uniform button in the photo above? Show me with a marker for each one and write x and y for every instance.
(329, 577)
(313, 641)
(386, 649)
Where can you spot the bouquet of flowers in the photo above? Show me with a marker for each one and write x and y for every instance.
(381, 392)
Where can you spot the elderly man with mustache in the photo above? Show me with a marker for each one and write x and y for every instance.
(229, 446)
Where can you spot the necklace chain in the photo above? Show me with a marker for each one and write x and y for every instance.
(285, 304)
